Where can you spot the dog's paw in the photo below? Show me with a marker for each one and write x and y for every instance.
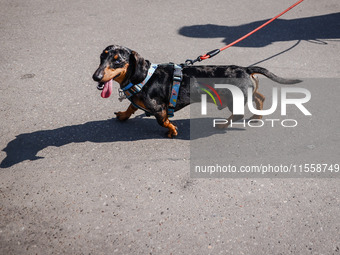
(172, 133)
(122, 116)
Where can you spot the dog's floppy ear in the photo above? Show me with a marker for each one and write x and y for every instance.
(138, 67)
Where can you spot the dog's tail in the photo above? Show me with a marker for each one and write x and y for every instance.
(259, 70)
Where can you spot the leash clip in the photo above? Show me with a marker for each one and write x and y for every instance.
(122, 95)
(210, 54)
(190, 62)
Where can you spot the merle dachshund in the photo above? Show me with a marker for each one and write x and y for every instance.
(126, 66)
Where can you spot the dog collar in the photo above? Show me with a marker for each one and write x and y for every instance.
(132, 89)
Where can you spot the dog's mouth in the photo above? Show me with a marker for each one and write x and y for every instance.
(106, 87)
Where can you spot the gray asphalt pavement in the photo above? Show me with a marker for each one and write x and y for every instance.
(74, 180)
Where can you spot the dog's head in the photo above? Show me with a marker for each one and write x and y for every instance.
(119, 64)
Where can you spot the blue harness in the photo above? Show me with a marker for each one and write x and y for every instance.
(176, 84)
(132, 89)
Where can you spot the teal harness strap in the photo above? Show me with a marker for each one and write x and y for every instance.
(176, 84)
(132, 89)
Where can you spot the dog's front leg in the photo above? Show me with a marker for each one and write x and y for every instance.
(162, 119)
(125, 115)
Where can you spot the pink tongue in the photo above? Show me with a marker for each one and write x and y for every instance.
(107, 89)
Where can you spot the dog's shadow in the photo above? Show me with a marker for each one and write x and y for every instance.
(27, 146)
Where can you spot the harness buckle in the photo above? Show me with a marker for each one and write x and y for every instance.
(177, 76)
(122, 95)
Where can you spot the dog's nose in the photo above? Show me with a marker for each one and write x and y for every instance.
(98, 75)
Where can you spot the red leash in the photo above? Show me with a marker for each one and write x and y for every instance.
(215, 52)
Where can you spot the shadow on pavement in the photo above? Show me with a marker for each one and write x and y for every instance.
(26, 146)
(315, 29)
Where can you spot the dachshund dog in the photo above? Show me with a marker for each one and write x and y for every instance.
(126, 66)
